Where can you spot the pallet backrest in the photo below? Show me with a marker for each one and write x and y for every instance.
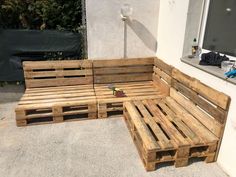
(206, 104)
(162, 75)
(57, 73)
(122, 70)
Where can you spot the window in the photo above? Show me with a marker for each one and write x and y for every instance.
(218, 31)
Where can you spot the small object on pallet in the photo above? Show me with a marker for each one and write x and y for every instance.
(116, 91)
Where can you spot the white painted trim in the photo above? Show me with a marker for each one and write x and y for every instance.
(206, 5)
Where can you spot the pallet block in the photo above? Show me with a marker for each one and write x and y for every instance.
(56, 104)
(109, 105)
(163, 135)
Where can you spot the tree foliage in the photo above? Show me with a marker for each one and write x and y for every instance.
(41, 14)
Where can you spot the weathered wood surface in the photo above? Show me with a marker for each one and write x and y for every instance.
(123, 70)
(163, 66)
(163, 130)
(210, 94)
(162, 75)
(56, 104)
(57, 73)
(108, 103)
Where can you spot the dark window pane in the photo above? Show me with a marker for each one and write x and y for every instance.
(220, 33)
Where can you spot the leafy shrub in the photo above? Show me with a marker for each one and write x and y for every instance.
(41, 14)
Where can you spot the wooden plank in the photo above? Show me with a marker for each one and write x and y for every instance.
(147, 138)
(31, 83)
(207, 121)
(62, 103)
(55, 100)
(216, 97)
(122, 62)
(122, 78)
(57, 92)
(57, 73)
(56, 96)
(216, 112)
(123, 99)
(119, 70)
(128, 86)
(59, 88)
(148, 94)
(163, 66)
(31, 65)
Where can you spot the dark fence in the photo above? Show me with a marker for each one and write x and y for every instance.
(17, 46)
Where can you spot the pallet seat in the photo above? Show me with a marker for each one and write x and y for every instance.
(188, 123)
(133, 76)
(57, 91)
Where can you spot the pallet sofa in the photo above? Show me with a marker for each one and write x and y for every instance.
(57, 91)
(171, 116)
(187, 123)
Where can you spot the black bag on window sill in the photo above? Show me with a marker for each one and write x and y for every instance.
(213, 59)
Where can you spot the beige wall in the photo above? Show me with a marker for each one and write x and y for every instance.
(172, 34)
(105, 29)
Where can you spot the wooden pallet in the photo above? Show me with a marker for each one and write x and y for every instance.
(109, 105)
(122, 70)
(207, 105)
(57, 73)
(163, 131)
(56, 104)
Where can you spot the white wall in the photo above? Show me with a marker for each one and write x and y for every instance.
(171, 34)
(105, 29)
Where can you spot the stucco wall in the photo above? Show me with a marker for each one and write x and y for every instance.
(171, 41)
(105, 29)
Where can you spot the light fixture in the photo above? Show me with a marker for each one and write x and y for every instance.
(228, 9)
(126, 11)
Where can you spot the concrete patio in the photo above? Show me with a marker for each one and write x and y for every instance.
(97, 148)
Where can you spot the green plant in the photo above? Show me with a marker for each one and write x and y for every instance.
(41, 14)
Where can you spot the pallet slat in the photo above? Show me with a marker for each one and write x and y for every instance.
(57, 73)
(123, 62)
(122, 78)
(32, 83)
(31, 65)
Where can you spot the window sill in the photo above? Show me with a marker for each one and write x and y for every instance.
(213, 70)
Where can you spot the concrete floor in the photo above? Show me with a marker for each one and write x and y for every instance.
(96, 148)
